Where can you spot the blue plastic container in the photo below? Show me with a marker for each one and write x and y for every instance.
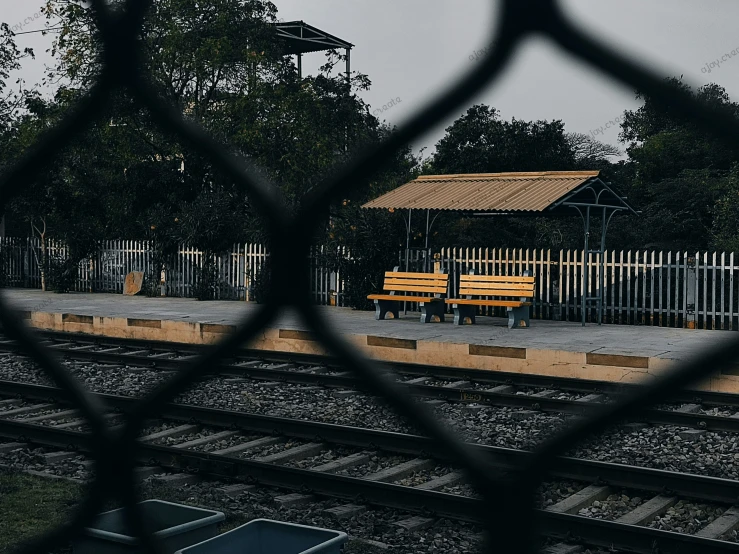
(176, 526)
(264, 536)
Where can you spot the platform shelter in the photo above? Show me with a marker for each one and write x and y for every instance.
(540, 194)
(300, 38)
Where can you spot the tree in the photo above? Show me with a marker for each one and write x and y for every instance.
(590, 153)
(80, 194)
(681, 174)
(664, 143)
(222, 66)
(372, 238)
(11, 99)
(725, 225)
(480, 142)
(680, 216)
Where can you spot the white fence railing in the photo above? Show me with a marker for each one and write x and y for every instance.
(671, 289)
(237, 270)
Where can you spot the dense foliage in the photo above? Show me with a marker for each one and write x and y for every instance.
(682, 178)
(481, 142)
(223, 66)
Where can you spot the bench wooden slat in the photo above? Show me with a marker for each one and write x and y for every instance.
(485, 291)
(402, 298)
(412, 288)
(472, 291)
(497, 286)
(403, 275)
(425, 282)
(496, 279)
(494, 285)
(500, 303)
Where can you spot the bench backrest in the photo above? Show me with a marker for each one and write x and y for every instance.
(494, 285)
(426, 283)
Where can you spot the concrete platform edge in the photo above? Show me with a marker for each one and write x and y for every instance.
(555, 363)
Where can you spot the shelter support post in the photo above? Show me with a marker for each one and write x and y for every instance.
(601, 256)
(586, 264)
(691, 293)
(428, 214)
(601, 281)
(349, 67)
(407, 251)
(429, 268)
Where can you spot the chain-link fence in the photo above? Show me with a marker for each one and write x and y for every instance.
(510, 515)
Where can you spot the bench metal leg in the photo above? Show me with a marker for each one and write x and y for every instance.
(518, 318)
(461, 313)
(430, 309)
(383, 307)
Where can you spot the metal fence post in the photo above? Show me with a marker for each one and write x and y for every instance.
(690, 278)
(555, 304)
(26, 269)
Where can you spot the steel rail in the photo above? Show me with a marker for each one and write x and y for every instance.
(712, 489)
(466, 395)
(589, 530)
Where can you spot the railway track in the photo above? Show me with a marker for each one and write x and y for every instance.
(529, 392)
(30, 411)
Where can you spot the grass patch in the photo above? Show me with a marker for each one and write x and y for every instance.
(31, 505)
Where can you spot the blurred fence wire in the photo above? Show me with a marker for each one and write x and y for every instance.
(510, 515)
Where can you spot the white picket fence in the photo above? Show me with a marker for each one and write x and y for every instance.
(670, 289)
(107, 270)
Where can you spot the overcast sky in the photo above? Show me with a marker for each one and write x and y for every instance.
(410, 49)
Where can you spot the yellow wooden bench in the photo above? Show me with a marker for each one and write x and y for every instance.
(475, 290)
(428, 289)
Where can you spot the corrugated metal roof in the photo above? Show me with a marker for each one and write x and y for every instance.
(487, 192)
(301, 38)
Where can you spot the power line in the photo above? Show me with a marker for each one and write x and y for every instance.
(39, 31)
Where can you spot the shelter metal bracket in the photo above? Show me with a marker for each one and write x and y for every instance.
(301, 38)
(606, 212)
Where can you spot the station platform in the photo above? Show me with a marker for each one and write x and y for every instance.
(628, 354)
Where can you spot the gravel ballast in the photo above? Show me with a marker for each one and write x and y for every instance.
(660, 446)
(371, 525)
